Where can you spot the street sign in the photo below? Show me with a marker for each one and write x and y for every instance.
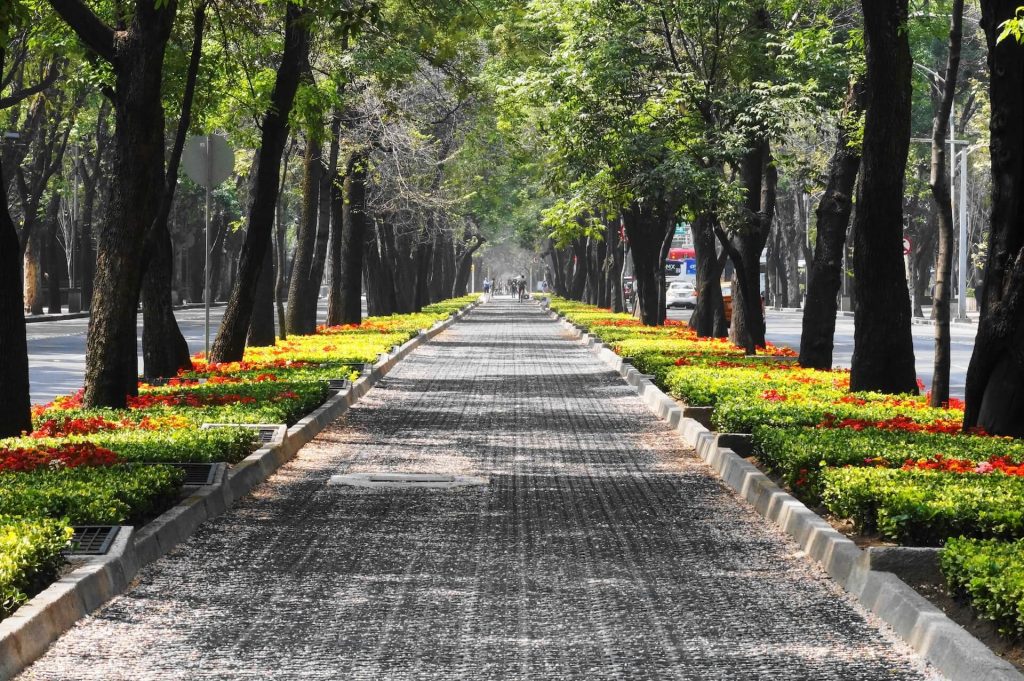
(691, 267)
(208, 160)
(906, 246)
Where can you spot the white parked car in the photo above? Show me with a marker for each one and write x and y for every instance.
(681, 294)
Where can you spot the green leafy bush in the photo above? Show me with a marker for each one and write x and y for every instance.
(991, 574)
(799, 454)
(114, 495)
(924, 508)
(30, 558)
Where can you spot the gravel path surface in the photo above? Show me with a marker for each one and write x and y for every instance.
(601, 549)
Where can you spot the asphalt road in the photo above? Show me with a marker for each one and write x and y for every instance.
(56, 349)
(784, 329)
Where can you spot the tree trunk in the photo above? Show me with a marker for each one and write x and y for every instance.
(136, 52)
(745, 245)
(708, 318)
(614, 266)
(15, 413)
(261, 323)
(647, 224)
(939, 182)
(301, 298)
(33, 275)
(464, 268)
(230, 343)
(281, 263)
(55, 263)
(164, 350)
(347, 307)
(995, 378)
(825, 272)
(883, 351)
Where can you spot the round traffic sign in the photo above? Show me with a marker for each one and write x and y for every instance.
(906, 246)
(208, 159)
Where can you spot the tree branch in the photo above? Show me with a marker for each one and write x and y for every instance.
(90, 28)
(51, 76)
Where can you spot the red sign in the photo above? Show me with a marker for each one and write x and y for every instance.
(906, 246)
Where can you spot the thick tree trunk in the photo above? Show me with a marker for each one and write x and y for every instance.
(230, 343)
(647, 225)
(883, 353)
(995, 378)
(164, 350)
(15, 414)
(708, 318)
(939, 182)
(137, 54)
(261, 324)
(578, 283)
(346, 308)
(825, 272)
(464, 267)
(301, 298)
(745, 245)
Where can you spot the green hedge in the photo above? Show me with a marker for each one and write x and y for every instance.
(924, 508)
(991, 574)
(30, 558)
(177, 445)
(800, 455)
(116, 495)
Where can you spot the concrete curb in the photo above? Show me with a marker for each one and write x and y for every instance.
(939, 640)
(25, 635)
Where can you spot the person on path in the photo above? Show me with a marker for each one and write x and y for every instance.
(487, 289)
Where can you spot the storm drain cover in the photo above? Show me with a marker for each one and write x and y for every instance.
(407, 480)
(92, 540)
(338, 384)
(198, 473)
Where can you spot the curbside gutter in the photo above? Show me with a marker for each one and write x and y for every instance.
(938, 639)
(26, 635)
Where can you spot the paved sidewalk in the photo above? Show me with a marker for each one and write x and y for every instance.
(600, 550)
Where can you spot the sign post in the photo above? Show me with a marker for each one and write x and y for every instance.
(208, 161)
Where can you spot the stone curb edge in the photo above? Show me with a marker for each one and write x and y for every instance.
(938, 639)
(26, 635)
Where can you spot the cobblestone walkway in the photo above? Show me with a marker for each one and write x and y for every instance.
(601, 548)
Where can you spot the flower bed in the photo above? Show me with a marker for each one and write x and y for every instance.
(81, 466)
(892, 464)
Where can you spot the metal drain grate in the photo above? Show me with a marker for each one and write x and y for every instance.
(338, 384)
(198, 473)
(92, 540)
(407, 480)
(265, 432)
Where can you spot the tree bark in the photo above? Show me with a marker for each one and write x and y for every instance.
(261, 323)
(301, 298)
(348, 305)
(883, 352)
(995, 377)
(939, 183)
(746, 243)
(137, 56)
(230, 343)
(164, 349)
(647, 224)
(825, 272)
(708, 318)
(15, 410)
